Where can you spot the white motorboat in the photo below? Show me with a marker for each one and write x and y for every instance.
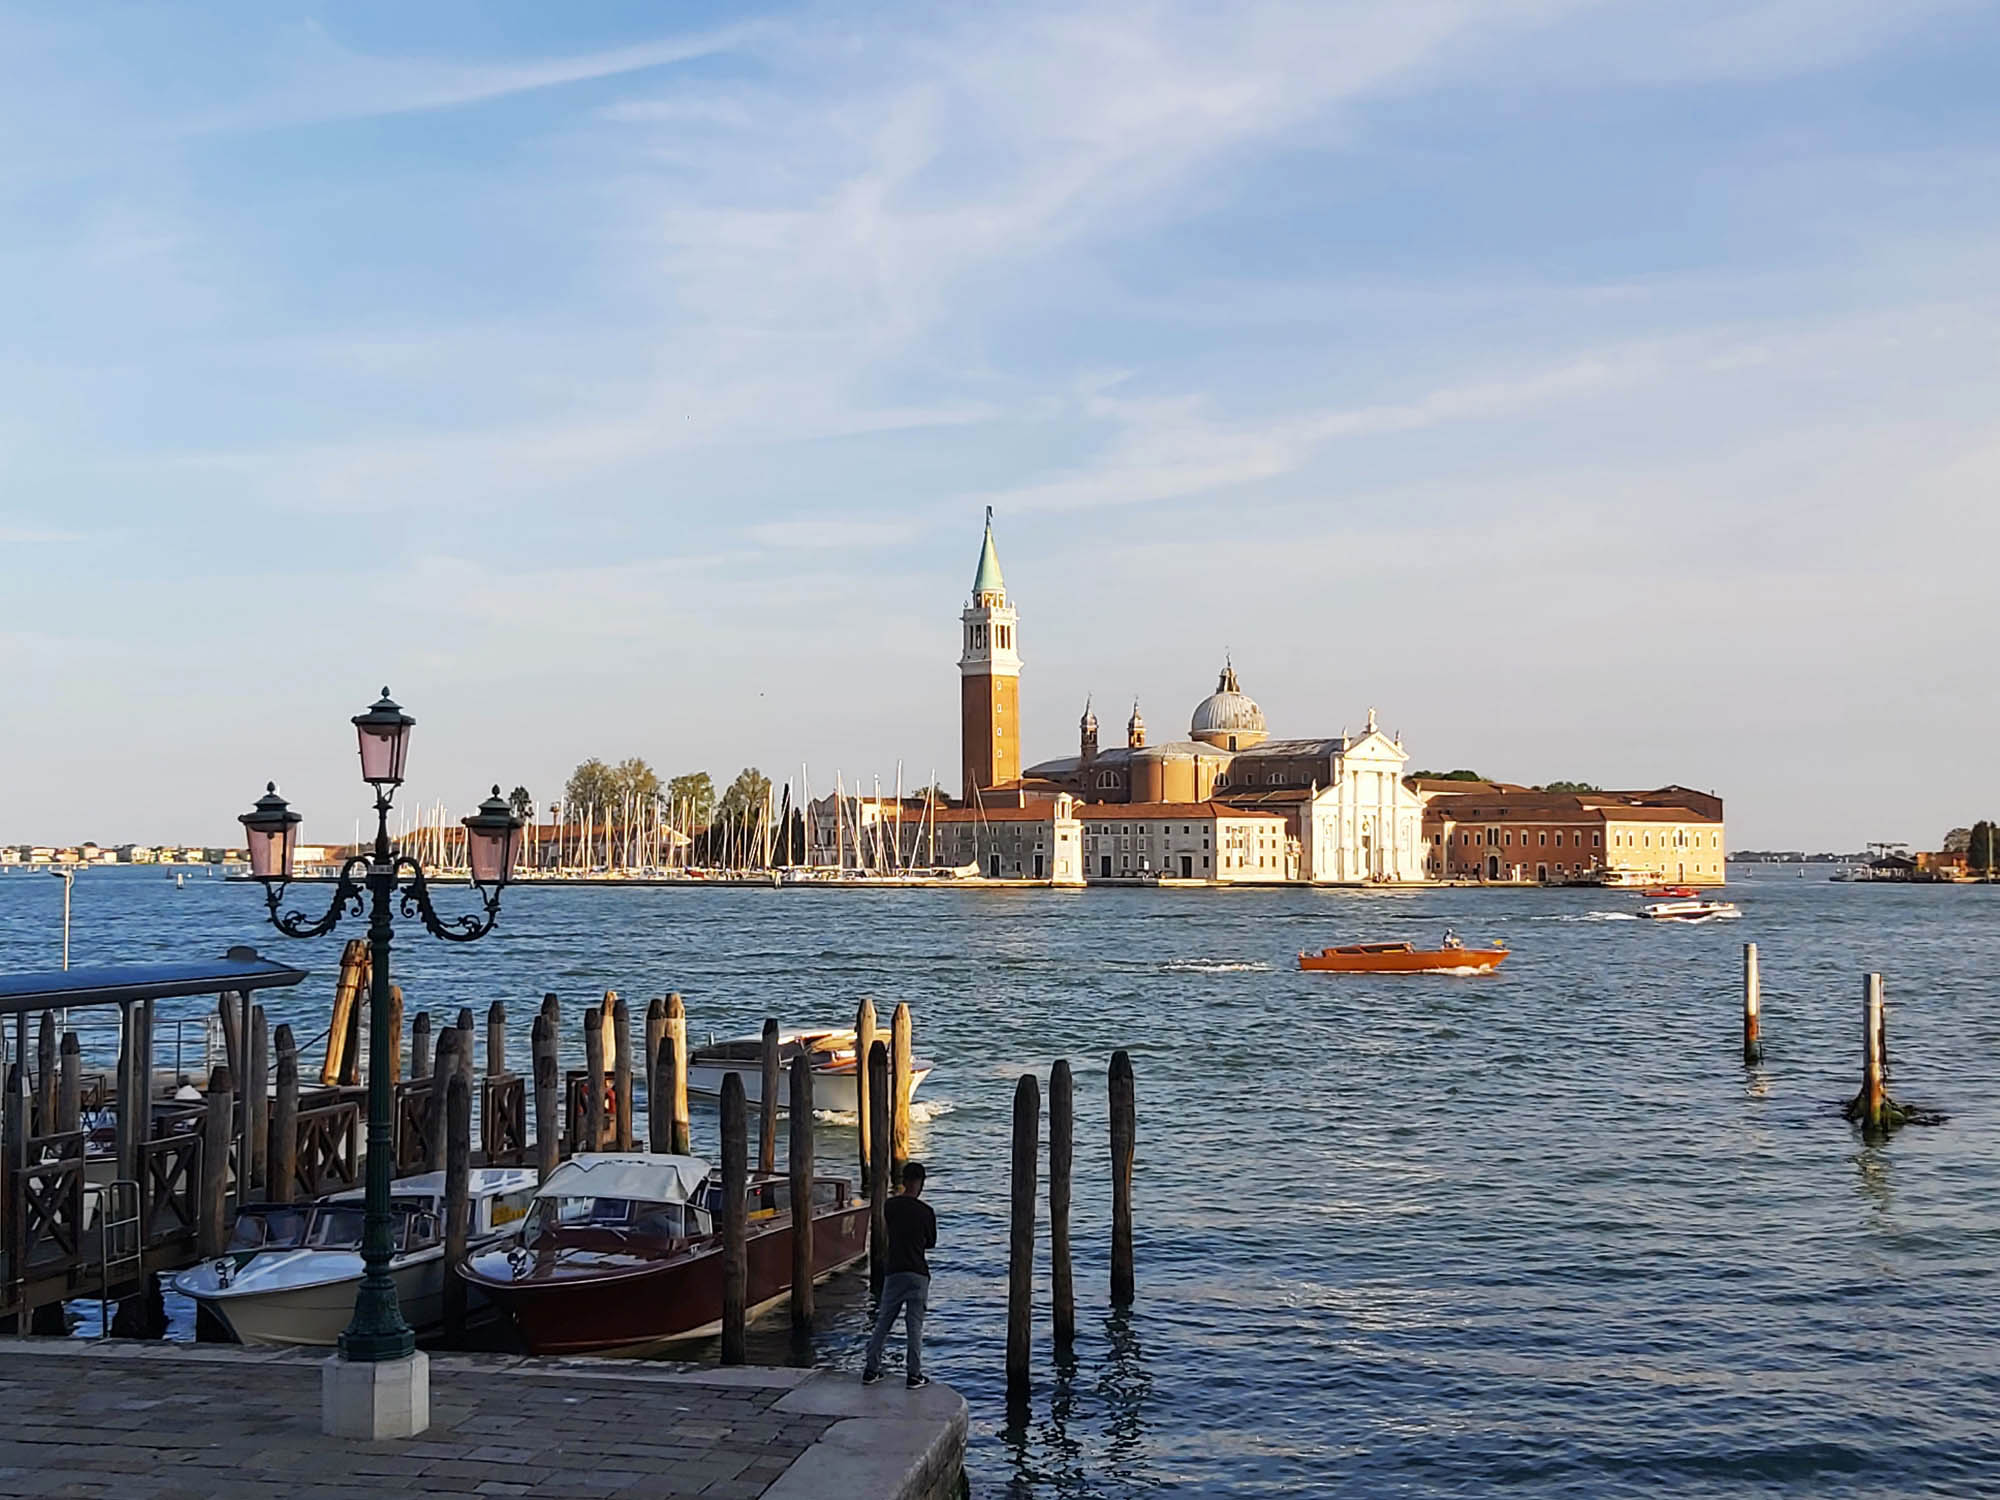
(833, 1067)
(290, 1273)
(1690, 911)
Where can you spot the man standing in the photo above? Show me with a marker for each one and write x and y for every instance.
(906, 1284)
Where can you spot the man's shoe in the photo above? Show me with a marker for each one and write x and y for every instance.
(871, 1377)
(917, 1382)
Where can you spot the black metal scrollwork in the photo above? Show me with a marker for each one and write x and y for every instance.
(347, 901)
(417, 903)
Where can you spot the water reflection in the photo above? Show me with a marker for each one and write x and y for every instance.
(1125, 1387)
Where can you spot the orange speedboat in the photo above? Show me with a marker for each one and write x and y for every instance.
(1405, 958)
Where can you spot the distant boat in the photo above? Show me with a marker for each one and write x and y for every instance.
(1671, 892)
(831, 1051)
(1404, 958)
(1690, 911)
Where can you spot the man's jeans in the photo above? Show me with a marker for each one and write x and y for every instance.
(910, 1293)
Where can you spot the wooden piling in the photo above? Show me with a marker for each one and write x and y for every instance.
(346, 1011)
(649, 1062)
(69, 1085)
(283, 1170)
(677, 1086)
(1124, 1134)
(444, 1068)
(395, 1034)
(229, 1012)
(659, 1098)
(1062, 1154)
(496, 1040)
(735, 1170)
(457, 1200)
(257, 1099)
(1872, 1108)
(548, 1099)
(552, 1008)
(900, 1084)
(1753, 1045)
(420, 1046)
(46, 1063)
(467, 1053)
(134, 1092)
(593, 1086)
(878, 1182)
(217, 1129)
(1021, 1235)
(767, 1102)
(621, 1069)
(864, 1046)
(799, 1162)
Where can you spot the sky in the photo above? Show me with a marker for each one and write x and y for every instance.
(1600, 391)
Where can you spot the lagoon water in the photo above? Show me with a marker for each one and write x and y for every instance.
(1538, 1232)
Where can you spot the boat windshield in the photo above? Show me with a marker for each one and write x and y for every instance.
(336, 1227)
(635, 1216)
(282, 1228)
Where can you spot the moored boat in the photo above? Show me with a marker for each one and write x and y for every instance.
(1690, 911)
(831, 1054)
(1453, 957)
(289, 1275)
(1670, 893)
(623, 1253)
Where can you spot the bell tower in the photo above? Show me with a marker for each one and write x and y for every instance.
(989, 679)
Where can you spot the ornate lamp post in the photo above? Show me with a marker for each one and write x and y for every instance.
(378, 1334)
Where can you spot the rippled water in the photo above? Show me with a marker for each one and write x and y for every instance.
(1538, 1231)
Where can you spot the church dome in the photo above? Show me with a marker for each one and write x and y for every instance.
(1228, 718)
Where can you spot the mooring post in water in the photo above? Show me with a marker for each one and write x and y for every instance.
(649, 1062)
(864, 1046)
(1124, 1135)
(621, 1069)
(735, 1173)
(1753, 1045)
(878, 1182)
(767, 1101)
(457, 1200)
(69, 1085)
(677, 1086)
(1021, 1235)
(1062, 1155)
(552, 1008)
(420, 1046)
(548, 1099)
(467, 1045)
(46, 1063)
(257, 1099)
(444, 1069)
(284, 1167)
(217, 1126)
(659, 1102)
(593, 1082)
(900, 1076)
(799, 1162)
(1872, 1108)
(496, 1039)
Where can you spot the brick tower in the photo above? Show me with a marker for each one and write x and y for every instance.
(989, 673)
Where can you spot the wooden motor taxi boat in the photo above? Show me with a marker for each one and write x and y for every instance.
(1671, 893)
(289, 1275)
(622, 1253)
(831, 1054)
(1690, 911)
(1453, 957)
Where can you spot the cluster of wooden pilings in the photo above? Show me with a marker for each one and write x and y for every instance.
(1021, 1222)
(1871, 1108)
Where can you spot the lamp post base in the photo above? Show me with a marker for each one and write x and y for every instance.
(375, 1399)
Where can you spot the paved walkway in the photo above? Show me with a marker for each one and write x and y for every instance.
(212, 1422)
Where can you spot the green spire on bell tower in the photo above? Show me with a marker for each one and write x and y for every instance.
(987, 580)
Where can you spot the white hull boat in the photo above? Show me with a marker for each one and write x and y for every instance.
(833, 1068)
(290, 1274)
(1690, 911)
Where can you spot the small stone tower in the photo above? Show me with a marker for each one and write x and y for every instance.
(989, 673)
(1088, 731)
(1135, 729)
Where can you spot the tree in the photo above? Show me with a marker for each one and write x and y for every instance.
(1957, 841)
(591, 785)
(522, 804)
(633, 781)
(691, 795)
(1569, 786)
(1460, 775)
(744, 802)
(1980, 851)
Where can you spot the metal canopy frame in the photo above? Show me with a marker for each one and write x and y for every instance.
(240, 970)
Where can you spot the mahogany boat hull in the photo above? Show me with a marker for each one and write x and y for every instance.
(649, 1305)
(1409, 961)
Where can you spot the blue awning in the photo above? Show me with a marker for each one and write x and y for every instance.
(117, 984)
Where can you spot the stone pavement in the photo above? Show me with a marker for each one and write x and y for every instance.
(145, 1421)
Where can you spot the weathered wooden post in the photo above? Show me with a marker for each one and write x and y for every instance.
(677, 1086)
(496, 1040)
(593, 1086)
(395, 1034)
(621, 1070)
(799, 1162)
(283, 1170)
(217, 1128)
(878, 1182)
(735, 1172)
(548, 1099)
(346, 990)
(767, 1102)
(46, 1063)
(1062, 1155)
(257, 1099)
(659, 1100)
(649, 1061)
(444, 1068)
(1753, 1045)
(552, 1008)
(420, 1046)
(135, 1087)
(457, 1200)
(1124, 1135)
(1872, 1108)
(900, 1075)
(864, 1046)
(69, 1086)
(1021, 1235)
(467, 1052)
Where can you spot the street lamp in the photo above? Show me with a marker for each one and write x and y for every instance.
(378, 1334)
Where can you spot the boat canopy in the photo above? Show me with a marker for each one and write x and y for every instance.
(645, 1176)
(241, 969)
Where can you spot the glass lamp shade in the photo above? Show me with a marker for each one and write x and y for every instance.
(492, 841)
(384, 732)
(272, 829)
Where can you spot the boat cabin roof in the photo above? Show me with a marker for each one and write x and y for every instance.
(647, 1176)
(751, 1048)
(1373, 948)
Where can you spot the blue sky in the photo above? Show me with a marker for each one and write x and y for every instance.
(1599, 390)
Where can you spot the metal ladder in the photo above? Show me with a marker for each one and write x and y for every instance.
(121, 1247)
